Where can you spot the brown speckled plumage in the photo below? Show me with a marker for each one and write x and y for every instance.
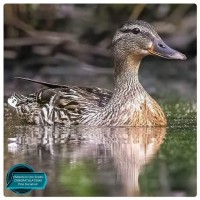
(128, 105)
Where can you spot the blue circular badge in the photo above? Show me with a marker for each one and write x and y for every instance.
(21, 168)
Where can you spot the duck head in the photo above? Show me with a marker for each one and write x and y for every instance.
(138, 38)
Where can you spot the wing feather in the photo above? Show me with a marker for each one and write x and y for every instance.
(61, 103)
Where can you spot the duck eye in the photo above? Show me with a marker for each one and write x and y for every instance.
(136, 30)
(161, 45)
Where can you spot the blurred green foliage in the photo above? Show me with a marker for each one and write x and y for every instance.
(173, 171)
(79, 179)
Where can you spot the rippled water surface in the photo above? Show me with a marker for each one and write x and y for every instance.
(108, 161)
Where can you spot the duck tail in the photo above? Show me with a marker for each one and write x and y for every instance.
(17, 99)
(26, 107)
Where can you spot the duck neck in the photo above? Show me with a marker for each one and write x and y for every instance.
(126, 73)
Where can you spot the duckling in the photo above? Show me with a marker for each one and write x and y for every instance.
(128, 105)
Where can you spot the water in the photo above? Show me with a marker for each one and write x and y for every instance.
(109, 161)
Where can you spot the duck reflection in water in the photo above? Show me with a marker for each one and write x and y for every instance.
(130, 148)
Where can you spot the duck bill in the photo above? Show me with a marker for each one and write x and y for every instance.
(159, 48)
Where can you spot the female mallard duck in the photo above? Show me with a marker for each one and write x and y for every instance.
(129, 105)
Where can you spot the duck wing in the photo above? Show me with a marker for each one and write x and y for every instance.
(67, 105)
(60, 103)
(100, 96)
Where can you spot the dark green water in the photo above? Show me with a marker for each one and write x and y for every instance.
(109, 161)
